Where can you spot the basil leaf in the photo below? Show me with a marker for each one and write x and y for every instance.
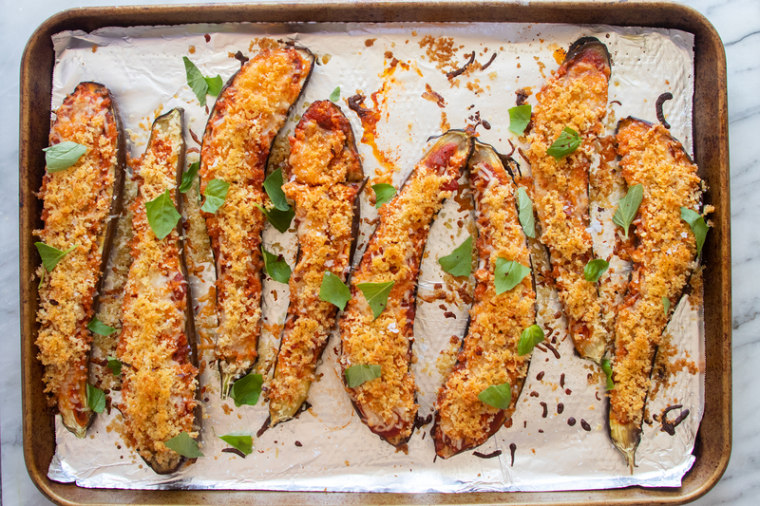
(628, 207)
(529, 338)
(99, 327)
(273, 187)
(359, 374)
(698, 226)
(459, 262)
(497, 396)
(162, 215)
(279, 219)
(567, 142)
(525, 213)
(214, 85)
(242, 442)
(195, 80)
(96, 399)
(508, 274)
(51, 256)
(215, 193)
(115, 365)
(594, 269)
(334, 291)
(519, 117)
(247, 389)
(277, 268)
(376, 295)
(335, 95)
(188, 177)
(63, 155)
(607, 368)
(666, 305)
(383, 193)
(183, 444)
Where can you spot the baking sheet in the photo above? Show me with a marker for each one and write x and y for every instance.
(143, 68)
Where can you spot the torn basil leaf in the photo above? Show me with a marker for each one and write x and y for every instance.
(361, 373)
(383, 193)
(666, 305)
(525, 213)
(215, 193)
(698, 226)
(594, 269)
(497, 396)
(508, 274)
(96, 399)
(183, 444)
(214, 84)
(376, 295)
(200, 84)
(628, 207)
(247, 389)
(273, 187)
(188, 177)
(529, 338)
(334, 291)
(51, 256)
(63, 155)
(162, 215)
(242, 442)
(335, 95)
(567, 142)
(279, 219)
(519, 117)
(607, 368)
(459, 262)
(115, 365)
(276, 266)
(99, 327)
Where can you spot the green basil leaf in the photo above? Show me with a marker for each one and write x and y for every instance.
(519, 117)
(525, 213)
(567, 142)
(42, 278)
(242, 442)
(51, 256)
(334, 291)
(497, 396)
(115, 365)
(195, 80)
(247, 389)
(214, 85)
(376, 295)
(162, 215)
(96, 399)
(361, 373)
(508, 274)
(459, 262)
(666, 305)
(277, 268)
(335, 95)
(188, 177)
(594, 269)
(628, 207)
(183, 444)
(698, 226)
(215, 193)
(63, 155)
(273, 187)
(383, 193)
(99, 327)
(279, 219)
(607, 368)
(529, 338)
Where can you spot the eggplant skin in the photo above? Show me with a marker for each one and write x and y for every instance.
(159, 387)
(251, 109)
(387, 405)
(76, 209)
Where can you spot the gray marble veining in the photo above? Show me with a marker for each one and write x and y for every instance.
(737, 22)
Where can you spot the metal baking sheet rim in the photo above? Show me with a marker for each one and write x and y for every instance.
(24, 233)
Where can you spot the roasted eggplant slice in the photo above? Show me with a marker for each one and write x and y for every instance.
(576, 98)
(489, 354)
(387, 403)
(249, 112)
(159, 378)
(325, 177)
(663, 260)
(77, 206)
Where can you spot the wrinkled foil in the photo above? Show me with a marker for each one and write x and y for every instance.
(327, 448)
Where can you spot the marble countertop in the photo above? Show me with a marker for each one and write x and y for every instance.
(737, 22)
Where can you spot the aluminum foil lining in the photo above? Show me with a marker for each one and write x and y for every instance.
(327, 448)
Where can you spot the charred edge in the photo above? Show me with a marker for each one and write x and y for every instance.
(584, 44)
(235, 451)
(264, 427)
(658, 108)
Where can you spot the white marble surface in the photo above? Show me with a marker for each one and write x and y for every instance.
(738, 23)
